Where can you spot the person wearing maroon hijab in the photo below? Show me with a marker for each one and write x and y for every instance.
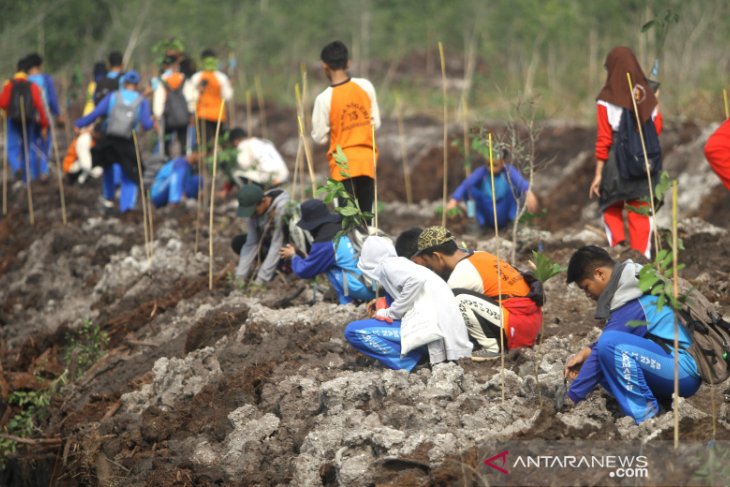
(615, 193)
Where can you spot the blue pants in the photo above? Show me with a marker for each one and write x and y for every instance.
(171, 189)
(42, 149)
(637, 371)
(381, 340)
(16, 150)
(113, 177)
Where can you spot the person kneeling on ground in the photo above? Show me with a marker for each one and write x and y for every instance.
(473, 278)
(337, 259)
(628, 361)
(174, 180)
(423, 316)
(264, 211)
(510, 188)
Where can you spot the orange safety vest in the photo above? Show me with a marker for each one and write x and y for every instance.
(210, 99)
(351, 129)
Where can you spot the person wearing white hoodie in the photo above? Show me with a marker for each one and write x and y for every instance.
(423, 316)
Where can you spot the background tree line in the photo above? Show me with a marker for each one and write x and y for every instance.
(552, 49)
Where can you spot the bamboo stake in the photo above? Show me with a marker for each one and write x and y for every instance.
(446, 135)
(5, 165)
(675, 277)
(499, 267)
(142, 195)
(465, 128)
(249, 117)
(212, 192)
(724, 98)
(262, 107)
(59, 169)
(200, 181)
(657, 243)
(406, 168)
(375, 172)
(27, 162)
(149, 221)
(307, 156)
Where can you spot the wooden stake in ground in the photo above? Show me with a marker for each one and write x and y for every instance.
(149, 222)
(307, 156)
(499, 262)
(59, 169)
(403, 152)
(27, 161)
(465, 128)
(5, 165)
(212, 193)
(261, 106)
(249, 116)
(446, 135)
(675, 278)
(201, 182)
(657, 243)
(724, 99)
(142, 196)
(375, 172)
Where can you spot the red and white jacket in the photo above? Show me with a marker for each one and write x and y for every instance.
(717, 152)
(608, 117)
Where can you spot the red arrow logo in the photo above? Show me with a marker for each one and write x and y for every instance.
(503, 457)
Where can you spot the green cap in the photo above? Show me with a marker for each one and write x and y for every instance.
(248, 197)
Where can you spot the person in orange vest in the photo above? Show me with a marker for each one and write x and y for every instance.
(345, 114)
(211, 88)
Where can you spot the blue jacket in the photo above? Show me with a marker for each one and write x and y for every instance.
(339, 262)
(659, 324)
(509, 186)
(45, 83)
(144, 116)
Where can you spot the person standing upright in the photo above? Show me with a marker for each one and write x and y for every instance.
(210, 88)
(344, 114)
(615, 192)
(48, 91)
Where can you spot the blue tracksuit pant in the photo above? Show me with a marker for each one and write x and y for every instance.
(113, 177)
(381, 340)
(637, 371)
(16, 150)
(171, 189)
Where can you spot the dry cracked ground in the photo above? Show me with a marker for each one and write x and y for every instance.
(235, 386)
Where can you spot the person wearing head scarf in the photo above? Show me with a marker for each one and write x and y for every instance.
(335, 257)
(614, 192)
(418, 298)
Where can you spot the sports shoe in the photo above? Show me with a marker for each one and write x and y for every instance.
(483, 354)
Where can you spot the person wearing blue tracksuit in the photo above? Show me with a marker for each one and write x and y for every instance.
(174, 180)
(113, 150)
(631, 358)
(336, 258)
(42, 146)
(510, 187)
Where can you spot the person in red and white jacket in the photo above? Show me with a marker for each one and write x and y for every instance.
(717, 152)
(615, 193)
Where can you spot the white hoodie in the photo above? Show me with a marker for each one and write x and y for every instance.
(403, 280)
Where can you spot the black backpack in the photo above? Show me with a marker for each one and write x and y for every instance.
(176, 107)
(106, 86)
(21, 103)
(629, 153)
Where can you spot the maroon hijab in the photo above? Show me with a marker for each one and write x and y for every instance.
(621, 60)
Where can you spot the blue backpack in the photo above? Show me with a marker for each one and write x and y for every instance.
(629, 153)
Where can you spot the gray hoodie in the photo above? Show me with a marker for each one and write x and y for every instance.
(257, 228)
(403, 280)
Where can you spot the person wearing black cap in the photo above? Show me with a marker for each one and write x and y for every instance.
(265, 236)
(338, 259)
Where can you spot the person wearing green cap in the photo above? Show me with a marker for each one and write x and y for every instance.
(264, 211)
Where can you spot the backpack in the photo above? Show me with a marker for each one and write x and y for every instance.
(122, 117)
(710, 335)
(176, 107)
(21, 109)
(105, 86)
(629, 152)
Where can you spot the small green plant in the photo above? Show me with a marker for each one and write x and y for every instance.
(545, 267)
(530, 219)
(352, 216)
(85, 346)
(450, 213)
(654, 278)
(659, 191)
